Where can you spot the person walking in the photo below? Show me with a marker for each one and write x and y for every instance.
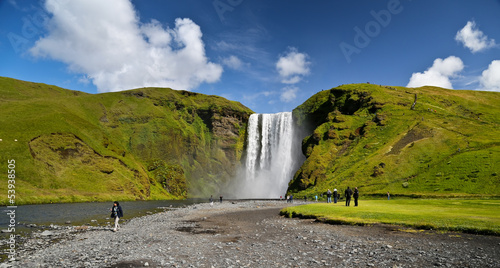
(328, 196)
(335, 196)
(348, 194)
(356, 196)
(116, 213)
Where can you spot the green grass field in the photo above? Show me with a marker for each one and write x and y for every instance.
(461, 215)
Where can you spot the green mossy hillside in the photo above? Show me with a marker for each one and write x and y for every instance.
(147, 143)
(424, 141)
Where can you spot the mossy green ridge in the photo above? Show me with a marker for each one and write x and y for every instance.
(469, 216)
(416, 142)
(147, 143)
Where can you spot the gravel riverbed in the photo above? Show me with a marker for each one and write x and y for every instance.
(250, 234)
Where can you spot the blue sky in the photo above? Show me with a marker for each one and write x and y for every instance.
(269, 55)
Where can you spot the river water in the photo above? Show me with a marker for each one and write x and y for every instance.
(96, 213)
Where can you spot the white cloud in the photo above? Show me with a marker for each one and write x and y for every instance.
(490, 78)
(474, 39)
(105, 41)
(233, 62)
(289, 94)
(293, 66)
(438, 74)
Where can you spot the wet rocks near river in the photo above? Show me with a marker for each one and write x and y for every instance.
(250, 234)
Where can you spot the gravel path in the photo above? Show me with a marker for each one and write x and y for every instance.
(251, 234)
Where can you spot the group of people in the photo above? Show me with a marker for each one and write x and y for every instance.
(355, 194)
(347, 194)
(329, 196)
(211, 200)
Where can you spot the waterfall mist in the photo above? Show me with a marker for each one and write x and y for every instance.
(273, 154)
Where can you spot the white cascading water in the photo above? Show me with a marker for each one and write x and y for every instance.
(270, 161)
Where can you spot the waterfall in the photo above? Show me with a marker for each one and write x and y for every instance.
(271, 156)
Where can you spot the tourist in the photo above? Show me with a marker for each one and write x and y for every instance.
(356, 195)
(388, 196)
(116, 213)
(211, 201)
(328, 196)
(335, 196)
(348, 194)
(220, 197)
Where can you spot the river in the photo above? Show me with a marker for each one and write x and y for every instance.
(95, 213)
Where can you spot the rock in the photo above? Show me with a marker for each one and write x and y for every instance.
(47, 233)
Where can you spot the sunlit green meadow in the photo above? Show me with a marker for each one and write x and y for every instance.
(468, 216)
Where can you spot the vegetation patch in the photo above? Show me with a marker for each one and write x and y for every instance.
(458, 215)
(368, 136)
(71, 146)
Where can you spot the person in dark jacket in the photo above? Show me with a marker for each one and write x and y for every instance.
(355, 195)
(335, 196)
(116, 213)
(348, 194)
(329, 196)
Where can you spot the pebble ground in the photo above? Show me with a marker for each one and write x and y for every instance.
(250, 234)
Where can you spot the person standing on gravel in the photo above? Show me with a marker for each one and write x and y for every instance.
(348, 194)
(116, 213)
(356, 196)
(211, 201)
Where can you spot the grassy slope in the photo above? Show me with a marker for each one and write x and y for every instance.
(73, 146)
(368, 136)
